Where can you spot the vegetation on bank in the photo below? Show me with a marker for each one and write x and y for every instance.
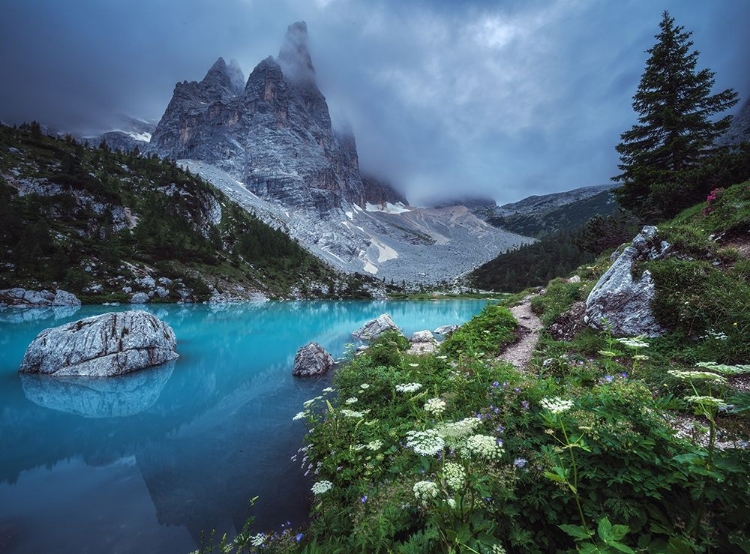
(92, 221)
(602, 444)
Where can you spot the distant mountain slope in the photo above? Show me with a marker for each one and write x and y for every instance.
(549, 202)
(539, 217)
(105, 225)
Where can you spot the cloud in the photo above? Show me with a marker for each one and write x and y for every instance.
(503, 99)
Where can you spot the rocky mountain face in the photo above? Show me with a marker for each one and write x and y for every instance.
(739, 130)
(274, 134)
(271, 147)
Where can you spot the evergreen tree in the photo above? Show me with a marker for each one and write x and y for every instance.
(664, 157)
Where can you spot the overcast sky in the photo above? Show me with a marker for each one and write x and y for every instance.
(504, 98)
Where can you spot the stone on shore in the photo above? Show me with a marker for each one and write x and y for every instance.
(312, 360)
(376, 327)
(101, 346)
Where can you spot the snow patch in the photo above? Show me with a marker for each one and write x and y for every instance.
(145, 137)
(397, 208)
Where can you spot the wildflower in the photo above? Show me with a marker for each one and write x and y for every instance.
(300, 415)
(446, 357)
(299, 537)
(425, 443)
(364, 386)
(424, 491)
(458, 429)
(374, 445)
(327, 389)
(363, 499)
(520, 462)
(496, 384)
(435, 406)
(352, 400)
(321, 487)
(414, 365)
(351, 413)
(698, 376)
(633, 342)
(483, 446)
(452, 503)
(707, 400)
(725, 369)
(640, 357)
(525, 404)
(454, 475)
(556, 405)
(408, 387)
(257, 540)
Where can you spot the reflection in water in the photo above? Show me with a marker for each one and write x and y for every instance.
(18, 315)
(101, 397)
(198, 438)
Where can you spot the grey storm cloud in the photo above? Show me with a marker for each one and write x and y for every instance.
(501, 99)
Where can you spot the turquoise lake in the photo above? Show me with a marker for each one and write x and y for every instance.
(145, 463)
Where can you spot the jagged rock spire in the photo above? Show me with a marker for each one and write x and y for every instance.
(229, 77)
(294, 56)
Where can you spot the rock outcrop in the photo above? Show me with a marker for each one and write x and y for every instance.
(422, 342)
(312, 360)
(101, 346)
(376, 327)
(274, 135)
(23, 297)
(446, 330)
(622, 304)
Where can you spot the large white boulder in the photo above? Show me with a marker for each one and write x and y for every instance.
(621, 304)
(376, 327)
(101, 346)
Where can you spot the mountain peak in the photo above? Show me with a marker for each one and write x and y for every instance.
(294, 56)
(229, 76)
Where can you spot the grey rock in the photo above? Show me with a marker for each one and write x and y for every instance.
(101, 346)
(13, 150)
(312, 360)
(139, 298)
(162, 292)
(622, 304)
(64, 298)
(446, 330)
(422, 336)
(376, 327)
(147, 282)
(127, 289)
(38, 298)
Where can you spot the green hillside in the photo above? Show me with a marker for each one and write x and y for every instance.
(564, 218)
(100, 223)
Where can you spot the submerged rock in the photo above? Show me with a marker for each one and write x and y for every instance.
(311, 360)
(622, 304)
(101, 346)
(376, 327)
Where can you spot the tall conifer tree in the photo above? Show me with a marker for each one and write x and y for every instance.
(664, 157)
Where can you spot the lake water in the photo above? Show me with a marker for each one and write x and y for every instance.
(146, 462)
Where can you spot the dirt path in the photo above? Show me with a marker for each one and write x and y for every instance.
(519, 354)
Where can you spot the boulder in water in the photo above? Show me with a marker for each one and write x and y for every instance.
(311, 360)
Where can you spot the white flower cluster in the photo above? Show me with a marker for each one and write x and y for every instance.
(453, 431)
(408, 387)
(435, 406)
(308, 403)
(328, 389)
(738, 369)
(454, 475)
(698, 376)
(425, 491)
(352, 400)
(374, 445)
(300, 415)
(556, 405)
(716, 335)
(258, 540)
(482, 446)
(321, 487)
(707, 401)
(633, 342)
(351, 413)
(425, 443)
(364, 386)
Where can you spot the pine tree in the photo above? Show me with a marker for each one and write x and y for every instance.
(664, 157)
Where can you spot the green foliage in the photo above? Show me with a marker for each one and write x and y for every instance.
(605, 233)
(531, 265)
(667, 156)
(110, 210)
(486, 333)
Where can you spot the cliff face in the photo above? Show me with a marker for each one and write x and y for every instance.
(274, 135)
